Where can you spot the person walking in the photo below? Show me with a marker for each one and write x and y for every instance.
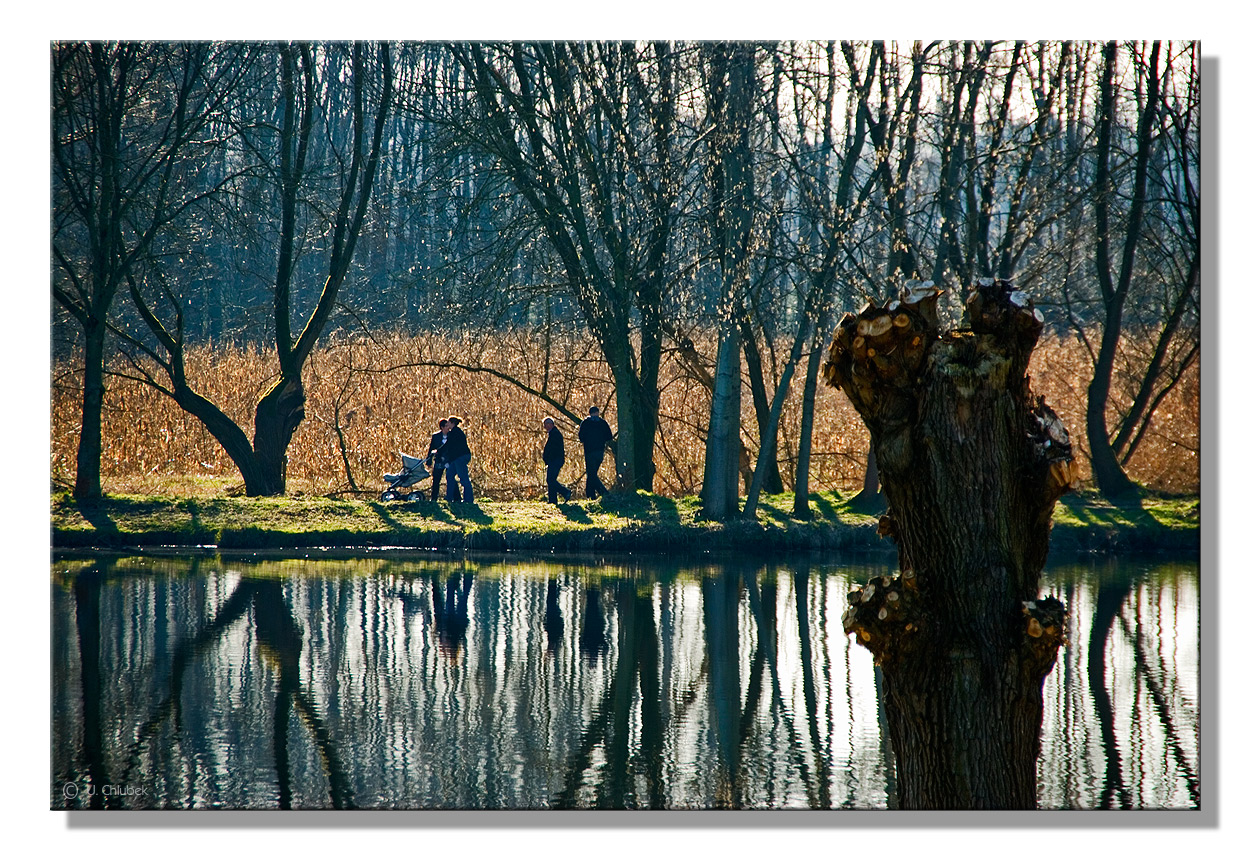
(553, 456)
(455, 453)
(437, 464)
(594, 434)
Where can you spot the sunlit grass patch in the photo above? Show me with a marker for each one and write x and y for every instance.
(642, 521)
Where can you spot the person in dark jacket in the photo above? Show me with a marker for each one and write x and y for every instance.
(455, 453)
(435, 461)
(553, 456)
(594, 434)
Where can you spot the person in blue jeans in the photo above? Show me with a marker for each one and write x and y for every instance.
(594, 434)
(435, 463)
(455, 453)
(553, 456)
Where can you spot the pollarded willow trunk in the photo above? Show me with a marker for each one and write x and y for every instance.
(972, 464)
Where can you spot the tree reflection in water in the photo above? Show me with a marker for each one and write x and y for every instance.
(431, 686)
(280, 644)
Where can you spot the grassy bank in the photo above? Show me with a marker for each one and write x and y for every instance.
(618, 523)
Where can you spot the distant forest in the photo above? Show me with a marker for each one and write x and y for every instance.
(718, 202)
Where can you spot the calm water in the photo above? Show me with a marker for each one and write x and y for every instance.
(181, 683)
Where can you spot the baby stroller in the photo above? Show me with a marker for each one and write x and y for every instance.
(413, 473)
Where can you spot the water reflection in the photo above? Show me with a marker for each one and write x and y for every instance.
(1125, 689)
(532, 685)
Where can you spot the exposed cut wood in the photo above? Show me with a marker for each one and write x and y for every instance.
(971, 463)
(880, 325)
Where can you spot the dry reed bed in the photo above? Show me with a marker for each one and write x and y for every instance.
(385, 394)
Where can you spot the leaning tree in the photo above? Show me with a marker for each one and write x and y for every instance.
(972, 463)
(308, 142)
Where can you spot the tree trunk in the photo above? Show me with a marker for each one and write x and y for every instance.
(803, 466)
(771, 480)
(720, 467)
(869, 498)
(731, 86)
(1112, 480)
(972, 464)
(1110, 476)
(626, 434)
(278, 414)
(87, 475)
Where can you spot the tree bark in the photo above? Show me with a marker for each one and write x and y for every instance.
(279, 412)
(803, 466)
(731, 87)
(972, 464)
(87, 475)
(1112, 480)
(720, 468)
(771, 472)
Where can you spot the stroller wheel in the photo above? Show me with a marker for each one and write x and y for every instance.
(387, 496)
(416, 497)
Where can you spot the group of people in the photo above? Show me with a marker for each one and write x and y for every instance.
(449, 453)
(449, 456)
(594, 434)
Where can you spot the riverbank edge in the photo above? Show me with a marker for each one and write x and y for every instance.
(620, 526)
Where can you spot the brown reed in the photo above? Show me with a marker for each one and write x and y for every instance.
(386, 393)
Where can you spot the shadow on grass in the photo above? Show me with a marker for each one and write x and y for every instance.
(575, 513)
(774, 512)
(451, 513)
(640, 506)
(1089, 509)
(96, 513)
(824, 508)
(197, 523)
(864, 502)
(384, 514)
(461, 512)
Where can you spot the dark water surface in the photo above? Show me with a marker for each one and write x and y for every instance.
(436, 683)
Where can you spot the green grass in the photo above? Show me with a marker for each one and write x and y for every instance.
(639, 522)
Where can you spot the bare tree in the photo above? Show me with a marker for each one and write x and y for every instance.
(587, 133)
(835, 208)
(127, 123)
(303, 78)
(1160, 222)
(731, 80)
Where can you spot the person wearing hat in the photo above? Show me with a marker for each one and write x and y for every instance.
(553, 457)
(594, 434)
(455, 453)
